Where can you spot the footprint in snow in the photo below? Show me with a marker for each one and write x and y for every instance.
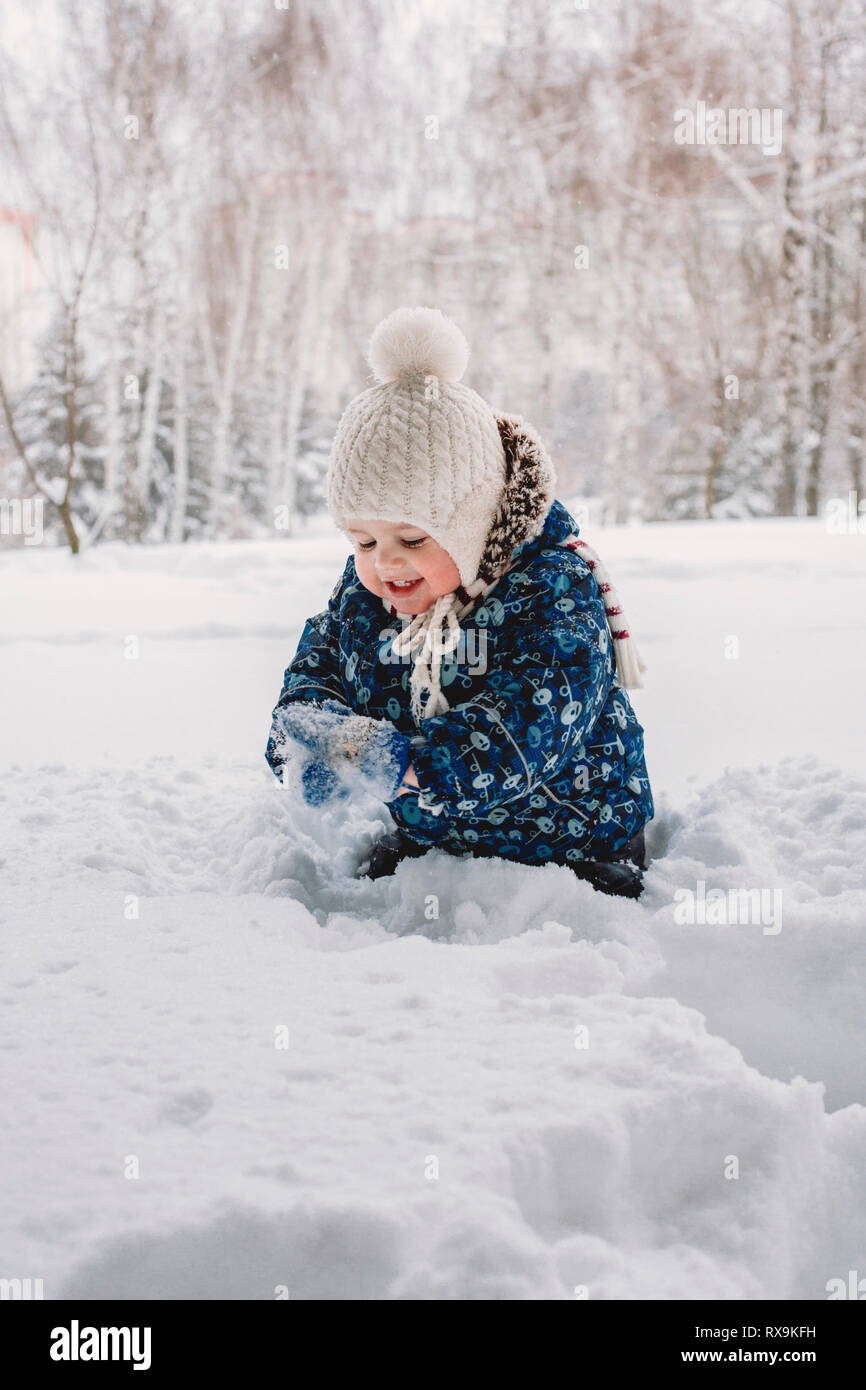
(186, 1107)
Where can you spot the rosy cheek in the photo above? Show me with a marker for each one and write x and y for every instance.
(447, 575)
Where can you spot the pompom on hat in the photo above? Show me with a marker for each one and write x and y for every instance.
(418, 446)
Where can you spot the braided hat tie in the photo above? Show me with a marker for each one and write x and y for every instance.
(433, 634)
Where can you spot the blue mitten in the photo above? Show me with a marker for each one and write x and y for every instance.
(339, 742)
(384, 754)
(320, 783)
(300, 734)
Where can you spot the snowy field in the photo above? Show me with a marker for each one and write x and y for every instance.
(230, 1067)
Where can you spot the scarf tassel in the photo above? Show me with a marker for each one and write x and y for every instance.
(439, 626)
(629, 662)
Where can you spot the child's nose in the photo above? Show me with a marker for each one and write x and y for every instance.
(391, 564)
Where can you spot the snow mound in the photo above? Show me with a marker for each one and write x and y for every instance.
(517, 1087)
(790, 995)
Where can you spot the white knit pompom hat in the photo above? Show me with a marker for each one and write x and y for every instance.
(418, 447)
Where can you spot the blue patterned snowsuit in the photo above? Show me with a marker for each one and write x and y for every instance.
(540, 756)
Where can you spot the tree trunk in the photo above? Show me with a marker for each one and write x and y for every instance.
(150, 418)
(304, 335)
(794, 355)
(794, 345)
(857, 378)
(181, 434)
(112, 422)
(68, 525)
(621, 452)
(823, 267)
(227, 378)
(717, 448)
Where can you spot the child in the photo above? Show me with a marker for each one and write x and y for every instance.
(464, 669)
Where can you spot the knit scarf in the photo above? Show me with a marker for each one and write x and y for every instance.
(435, 633)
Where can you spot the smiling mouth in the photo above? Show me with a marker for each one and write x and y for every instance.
(402, 588)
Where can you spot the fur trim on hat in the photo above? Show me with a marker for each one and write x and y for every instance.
(530, 482)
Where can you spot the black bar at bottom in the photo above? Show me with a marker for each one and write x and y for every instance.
(162, 1338)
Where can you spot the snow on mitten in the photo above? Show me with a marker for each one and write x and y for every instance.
(383, 756)
(343, 743)
(373, 749)
(320, 783)
(310, 724)
(301, 739)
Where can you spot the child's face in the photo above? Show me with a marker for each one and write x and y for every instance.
(388, 550)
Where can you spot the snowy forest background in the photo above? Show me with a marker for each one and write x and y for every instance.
(205, 212)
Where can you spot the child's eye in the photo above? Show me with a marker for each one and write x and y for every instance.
(412, 545)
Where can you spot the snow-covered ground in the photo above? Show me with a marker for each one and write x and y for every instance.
(230, 1067)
